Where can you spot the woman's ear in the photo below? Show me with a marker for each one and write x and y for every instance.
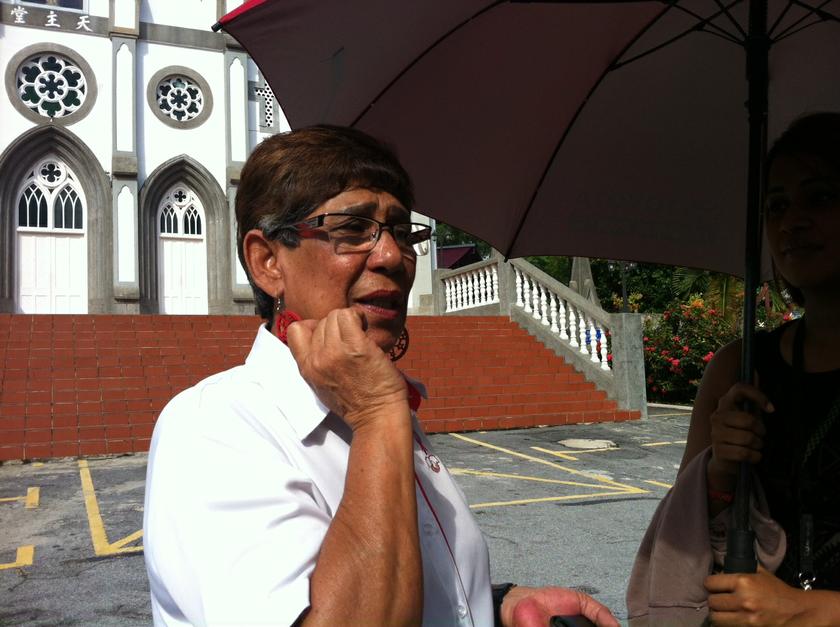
(263, 262)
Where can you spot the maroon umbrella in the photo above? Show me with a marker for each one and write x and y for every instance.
(598, 129)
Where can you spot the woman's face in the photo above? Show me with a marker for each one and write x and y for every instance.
(802, 220)
(317, 280)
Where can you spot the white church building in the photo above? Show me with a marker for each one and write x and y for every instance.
(123, 129)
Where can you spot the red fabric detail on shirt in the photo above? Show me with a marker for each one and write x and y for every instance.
(414, 398)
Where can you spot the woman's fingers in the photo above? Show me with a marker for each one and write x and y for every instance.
(737, 435)
(740, 393)
(345, 368)
(351, 325)
(730, 453)
(740, 421)
(745, 433)
(299, 338)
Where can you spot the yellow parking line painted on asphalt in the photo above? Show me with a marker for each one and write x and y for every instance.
(565, 455)
(561, 455)
(31, 499)
(484, 473)
(659, 483)
(663, 443)
(24, 557)
(627, 488)
(37, 464)
(98, 536)
(547, 499)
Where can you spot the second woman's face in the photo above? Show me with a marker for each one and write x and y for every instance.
(376, 283)
(802, 221)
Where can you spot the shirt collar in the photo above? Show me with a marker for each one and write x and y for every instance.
(277, 372)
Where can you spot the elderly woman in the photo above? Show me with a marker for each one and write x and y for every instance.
(298, 488)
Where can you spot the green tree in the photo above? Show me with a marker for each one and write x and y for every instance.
(651, 281)
(721, 291)
(726, 294)
(446, 235)
(559, 268)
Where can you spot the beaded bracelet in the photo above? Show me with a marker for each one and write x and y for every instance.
(723, 497)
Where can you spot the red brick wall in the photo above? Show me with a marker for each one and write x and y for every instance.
(93, 384)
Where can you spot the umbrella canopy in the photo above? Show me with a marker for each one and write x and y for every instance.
(595, 129)
(599, 129)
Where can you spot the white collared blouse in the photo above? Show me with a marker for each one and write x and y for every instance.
(246, 471)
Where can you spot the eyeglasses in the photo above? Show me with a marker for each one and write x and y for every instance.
(355, 234)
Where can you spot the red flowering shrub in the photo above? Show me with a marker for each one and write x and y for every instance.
(678, 345)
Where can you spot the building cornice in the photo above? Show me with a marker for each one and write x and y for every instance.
(97, 26)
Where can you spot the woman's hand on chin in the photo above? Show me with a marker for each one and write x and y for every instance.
(348, 371)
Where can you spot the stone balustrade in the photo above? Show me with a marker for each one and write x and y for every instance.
(606, 348)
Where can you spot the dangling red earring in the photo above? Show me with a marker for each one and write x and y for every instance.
(399, 349)
(283, 318)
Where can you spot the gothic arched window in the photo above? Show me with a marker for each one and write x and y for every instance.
(180, 214)
(51, 199)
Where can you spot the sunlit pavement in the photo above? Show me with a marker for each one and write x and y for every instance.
(558, 505)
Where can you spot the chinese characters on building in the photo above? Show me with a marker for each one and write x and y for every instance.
(20, 13)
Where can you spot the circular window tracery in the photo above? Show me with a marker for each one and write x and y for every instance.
(51, 85)
(179, 98)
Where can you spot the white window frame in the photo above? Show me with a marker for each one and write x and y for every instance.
(51, 193)
(56, 7)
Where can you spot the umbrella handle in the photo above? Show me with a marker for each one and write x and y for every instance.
(740, 538)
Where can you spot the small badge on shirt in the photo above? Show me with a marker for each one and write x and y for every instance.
(433, 462)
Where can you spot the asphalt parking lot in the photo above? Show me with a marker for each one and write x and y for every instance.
(558, 505)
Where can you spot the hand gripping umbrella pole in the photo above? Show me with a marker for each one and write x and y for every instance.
(740, 551)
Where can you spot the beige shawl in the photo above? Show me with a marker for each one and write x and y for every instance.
(681, 546)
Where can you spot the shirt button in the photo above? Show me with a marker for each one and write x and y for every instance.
(429, 529)
(462, 611)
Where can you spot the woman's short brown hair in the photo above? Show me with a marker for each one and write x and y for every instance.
(290, 175)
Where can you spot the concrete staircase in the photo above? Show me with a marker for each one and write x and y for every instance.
(486, 372)
(94, 384)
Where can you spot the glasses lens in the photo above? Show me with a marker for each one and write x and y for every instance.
(351, 233)
(418, 238)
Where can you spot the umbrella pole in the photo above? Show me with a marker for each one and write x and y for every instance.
(740, 552)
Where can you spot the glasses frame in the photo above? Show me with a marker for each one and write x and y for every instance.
(307, 229)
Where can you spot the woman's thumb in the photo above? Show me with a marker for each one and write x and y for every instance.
(299, 337)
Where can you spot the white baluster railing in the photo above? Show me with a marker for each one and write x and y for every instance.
(581, 326)
(526, 295)
(475, 287)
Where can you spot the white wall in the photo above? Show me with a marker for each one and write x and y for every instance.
(422, 276)
(198, 14)
(158, 142)
(99, 7)
(95, 129)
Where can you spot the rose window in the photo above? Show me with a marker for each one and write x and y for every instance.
(179, 98)
(51, 85)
